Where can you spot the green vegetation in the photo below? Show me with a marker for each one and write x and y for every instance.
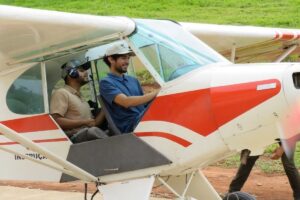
(264, 163)
(145, 77)
(281, 13)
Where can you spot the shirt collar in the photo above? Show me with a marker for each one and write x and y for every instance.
(72, 90)
(119, 78)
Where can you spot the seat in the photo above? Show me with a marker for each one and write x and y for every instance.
(111, 125)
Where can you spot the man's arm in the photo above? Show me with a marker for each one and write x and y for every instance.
(100, 118)
(129, 101)
(111, 93)
(67, 124)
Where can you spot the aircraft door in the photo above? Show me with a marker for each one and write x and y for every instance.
(26, 112)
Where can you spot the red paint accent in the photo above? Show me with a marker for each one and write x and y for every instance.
(168, 136)
(38, 141)
(205, 110)
(231, 101)
(31, 124)
(287, 36)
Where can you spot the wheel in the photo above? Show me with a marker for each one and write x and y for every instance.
(239, 196)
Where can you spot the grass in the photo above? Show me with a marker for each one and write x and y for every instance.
(280, 13)
(264, 163)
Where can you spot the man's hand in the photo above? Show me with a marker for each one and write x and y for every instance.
(277, 153)
(90, 122)
(67, 124)
(155, 92)
(129, 101)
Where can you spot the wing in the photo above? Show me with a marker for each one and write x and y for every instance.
(28, 35)
(248, 43)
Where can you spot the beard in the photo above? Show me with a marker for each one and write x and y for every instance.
(121, 69)
(83, 80)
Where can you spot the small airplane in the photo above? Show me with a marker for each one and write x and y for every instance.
(209, 107)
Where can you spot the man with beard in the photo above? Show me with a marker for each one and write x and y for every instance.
(123, 94)
(68, 108)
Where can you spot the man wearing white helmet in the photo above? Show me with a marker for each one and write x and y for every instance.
(123, 94)
(69, 109)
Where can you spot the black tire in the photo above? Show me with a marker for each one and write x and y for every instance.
(239, 196)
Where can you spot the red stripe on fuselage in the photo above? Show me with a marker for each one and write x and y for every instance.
(288, 36)
(203, 111)
(168, 136)
(31, 124)
(38, 141)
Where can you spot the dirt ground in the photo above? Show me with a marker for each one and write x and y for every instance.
(263, 186)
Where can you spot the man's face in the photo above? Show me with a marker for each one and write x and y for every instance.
(121, 63)
(83, 76)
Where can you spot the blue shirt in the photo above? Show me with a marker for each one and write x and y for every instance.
(124, 118)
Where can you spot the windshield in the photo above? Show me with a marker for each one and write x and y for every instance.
(170, 49)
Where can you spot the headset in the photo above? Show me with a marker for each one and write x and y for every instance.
(71, 69)
(73, 72)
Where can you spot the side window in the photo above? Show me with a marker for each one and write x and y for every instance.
(25, 96)
(138, 70)
(170, 62)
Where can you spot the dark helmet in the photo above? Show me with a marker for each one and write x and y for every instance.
(70, 68)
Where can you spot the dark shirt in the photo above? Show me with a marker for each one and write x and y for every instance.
(124, 118)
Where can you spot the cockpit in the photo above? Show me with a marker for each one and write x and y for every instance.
(164, 51)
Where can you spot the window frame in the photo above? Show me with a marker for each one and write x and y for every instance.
(45, 87)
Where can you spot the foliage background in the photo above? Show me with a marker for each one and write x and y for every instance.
(280, 13)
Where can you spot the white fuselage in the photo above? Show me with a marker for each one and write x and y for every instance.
(238, 107)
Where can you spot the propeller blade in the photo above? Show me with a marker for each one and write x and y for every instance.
(290, 131)
(289, 145)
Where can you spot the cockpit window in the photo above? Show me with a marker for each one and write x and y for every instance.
(170, 49)
(25, 96)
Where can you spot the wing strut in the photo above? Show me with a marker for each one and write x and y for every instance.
(193, 185)
(286, 53)
(233, 51)
(75, 171)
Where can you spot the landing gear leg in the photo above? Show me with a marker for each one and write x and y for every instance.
(190, 186)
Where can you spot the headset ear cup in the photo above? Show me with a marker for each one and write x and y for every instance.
(73, 73)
